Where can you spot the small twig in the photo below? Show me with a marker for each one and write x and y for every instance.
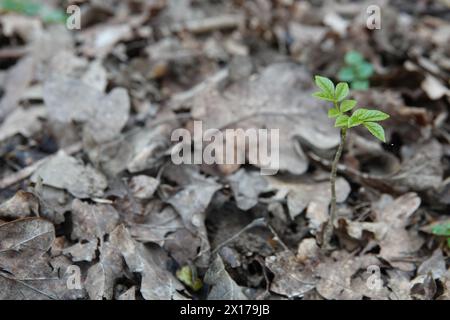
(255, 223)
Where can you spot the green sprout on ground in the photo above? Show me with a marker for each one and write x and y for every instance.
(33, 9)
(357, 71)
(344, 120)
(442, 230)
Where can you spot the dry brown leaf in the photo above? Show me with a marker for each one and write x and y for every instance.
(223, 286)
(291, 278)
(92, 221)
(279, 98)
(64, 172)
(21, 205)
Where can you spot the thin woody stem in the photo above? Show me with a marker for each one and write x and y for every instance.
(328, 232)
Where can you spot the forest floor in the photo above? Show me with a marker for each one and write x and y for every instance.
(93, 207)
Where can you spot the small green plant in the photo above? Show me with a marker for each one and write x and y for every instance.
(442, 230)
(344, 120)
(357, 71)
(33, 9)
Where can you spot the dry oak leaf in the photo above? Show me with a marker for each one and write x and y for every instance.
(26, 269)
(279, 98)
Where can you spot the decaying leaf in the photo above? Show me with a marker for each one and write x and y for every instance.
(92, 221)
(336, 276)
(157, 282)
(21, 205)
(291, 278)
(104, 115)
(143, 187)
(20, 121)
(65, 172)
(314, 197)
(246, 188)
(82, 251)
(25, 266)
(223, 286)
(284, 104)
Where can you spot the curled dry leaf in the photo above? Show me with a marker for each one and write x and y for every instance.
(21, 205)
(143, 187)
(82, 251)
(20, 121)
(65, 172)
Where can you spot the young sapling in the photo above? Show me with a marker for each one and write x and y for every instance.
(344, 120)
(357, 71)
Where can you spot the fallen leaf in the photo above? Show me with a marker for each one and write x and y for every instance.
(20, 121)
(21, 205)
(246, 188)
(82, 251)
(92, 221)
(291, 278)
(284, 104)
(223, 286)
(143, 187)
(104, 115)
(65, 172)
(26, 271)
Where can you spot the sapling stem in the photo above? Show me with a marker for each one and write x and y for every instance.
(328, 232)
(341, 107)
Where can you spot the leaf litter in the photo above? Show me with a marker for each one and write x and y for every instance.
(85, 140)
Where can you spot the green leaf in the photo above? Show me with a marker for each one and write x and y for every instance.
(341, 91)
(346, 74)
(375, 129)
(353, 58)
(341, 121)
(333, 113)
(323, 96)
(325, 84)
(364, 70)
(442, 229)
(360, 85)
(347, 105)
(366, 115)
